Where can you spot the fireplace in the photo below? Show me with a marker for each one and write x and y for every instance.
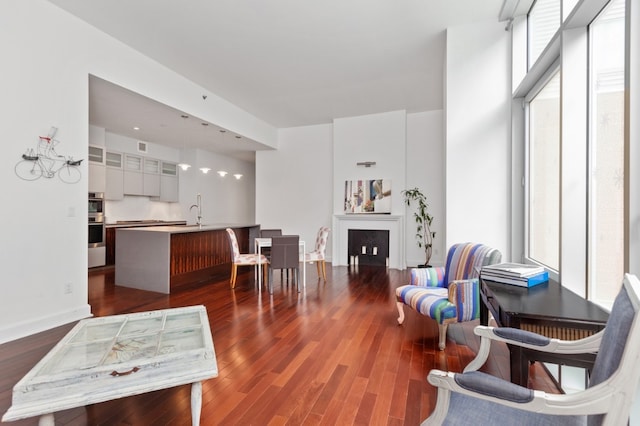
(368, 247)
(393, 225)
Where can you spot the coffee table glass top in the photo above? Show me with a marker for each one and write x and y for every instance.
(126, 338)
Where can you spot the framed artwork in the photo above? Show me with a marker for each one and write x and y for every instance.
(367, 196)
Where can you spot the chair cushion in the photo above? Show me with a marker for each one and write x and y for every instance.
(249, 259)
(430, 301)
(465, 410)
(313, 256)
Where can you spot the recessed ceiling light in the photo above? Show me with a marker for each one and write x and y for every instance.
(136, 128)
(238, 137)
(222, 173)
(222, 131)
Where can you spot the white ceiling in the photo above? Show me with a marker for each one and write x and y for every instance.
(294, 62)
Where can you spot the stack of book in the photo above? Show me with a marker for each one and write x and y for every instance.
(515, 274)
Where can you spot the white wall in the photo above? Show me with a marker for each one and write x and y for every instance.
(294, 183)
(377, 137)
(477, 154)
(425, 169)
(224, 199)
(47, 58)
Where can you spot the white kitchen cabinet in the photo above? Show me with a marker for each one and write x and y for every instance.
(97, 173)
(133, 175)
(114, 176)
(151, 177)
(169, 182)
(96, 154)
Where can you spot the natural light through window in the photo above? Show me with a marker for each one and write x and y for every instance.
(606, 193)
(543, 23)
(544, 175)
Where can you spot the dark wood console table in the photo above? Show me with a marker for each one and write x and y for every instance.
(548, 309)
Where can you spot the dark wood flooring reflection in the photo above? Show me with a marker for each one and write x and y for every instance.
(331, 355)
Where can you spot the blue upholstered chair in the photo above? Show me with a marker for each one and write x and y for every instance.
(451, 293)
(477, 398)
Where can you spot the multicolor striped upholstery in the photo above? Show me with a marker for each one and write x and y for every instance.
(448, 294)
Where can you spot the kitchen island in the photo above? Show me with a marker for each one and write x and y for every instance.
(159, 258)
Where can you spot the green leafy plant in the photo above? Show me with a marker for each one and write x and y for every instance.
(424, 234)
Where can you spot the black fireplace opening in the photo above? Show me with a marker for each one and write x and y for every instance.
(368, 247)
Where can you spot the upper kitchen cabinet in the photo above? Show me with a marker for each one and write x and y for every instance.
(97, 172)
(114, 176)
(133, 179)
(151, 177)
(169, 182)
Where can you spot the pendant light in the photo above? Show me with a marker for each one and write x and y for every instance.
(183, 164)
(204, 170)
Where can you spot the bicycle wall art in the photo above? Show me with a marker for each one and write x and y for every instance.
(44, 161)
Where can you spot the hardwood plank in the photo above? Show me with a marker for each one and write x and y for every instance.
(332, 354)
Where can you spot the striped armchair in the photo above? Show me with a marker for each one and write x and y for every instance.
(451, 293)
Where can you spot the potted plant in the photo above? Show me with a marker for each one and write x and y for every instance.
(424, 234)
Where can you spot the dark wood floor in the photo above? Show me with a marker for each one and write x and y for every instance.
(332, 354)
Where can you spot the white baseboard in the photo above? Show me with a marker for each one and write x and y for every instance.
(27, 328)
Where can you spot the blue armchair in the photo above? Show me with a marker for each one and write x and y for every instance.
(451, 293)
(477, 398)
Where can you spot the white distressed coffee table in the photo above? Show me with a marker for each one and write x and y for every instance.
(111, 357)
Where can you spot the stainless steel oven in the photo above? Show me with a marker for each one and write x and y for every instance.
(96, 203)
(96, 230)
(97, 234)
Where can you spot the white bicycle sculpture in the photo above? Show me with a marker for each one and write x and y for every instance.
(46, 162)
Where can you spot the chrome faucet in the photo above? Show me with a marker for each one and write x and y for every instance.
(198, 205)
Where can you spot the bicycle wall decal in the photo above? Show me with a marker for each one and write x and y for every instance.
(45, 161)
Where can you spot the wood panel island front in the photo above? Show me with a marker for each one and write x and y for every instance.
(159, 258)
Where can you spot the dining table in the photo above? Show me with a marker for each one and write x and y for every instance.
(262, 243)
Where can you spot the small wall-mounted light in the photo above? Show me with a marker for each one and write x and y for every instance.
(184, 166)
(366, 163)
(222, 173)
(237, 176)
(205, 170)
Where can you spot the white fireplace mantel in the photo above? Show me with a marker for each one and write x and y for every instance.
(392, 223)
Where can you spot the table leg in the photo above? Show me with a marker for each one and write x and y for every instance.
(196, 403)
(46, 420)
(304, 267)
(259, 251)
(484, 312)
(519, 366)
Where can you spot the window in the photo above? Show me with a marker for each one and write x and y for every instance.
(606, 152)
(543, 23)
(543, 234)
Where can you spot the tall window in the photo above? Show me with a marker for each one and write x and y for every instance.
(543, 23)
(544, 175)
(606, 180)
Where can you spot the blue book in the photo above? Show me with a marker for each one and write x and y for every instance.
(521, 282)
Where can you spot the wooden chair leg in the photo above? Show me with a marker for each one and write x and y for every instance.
(400, 307)
(234, 271)
(442, 340)
(324, 270)
(265, 268)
